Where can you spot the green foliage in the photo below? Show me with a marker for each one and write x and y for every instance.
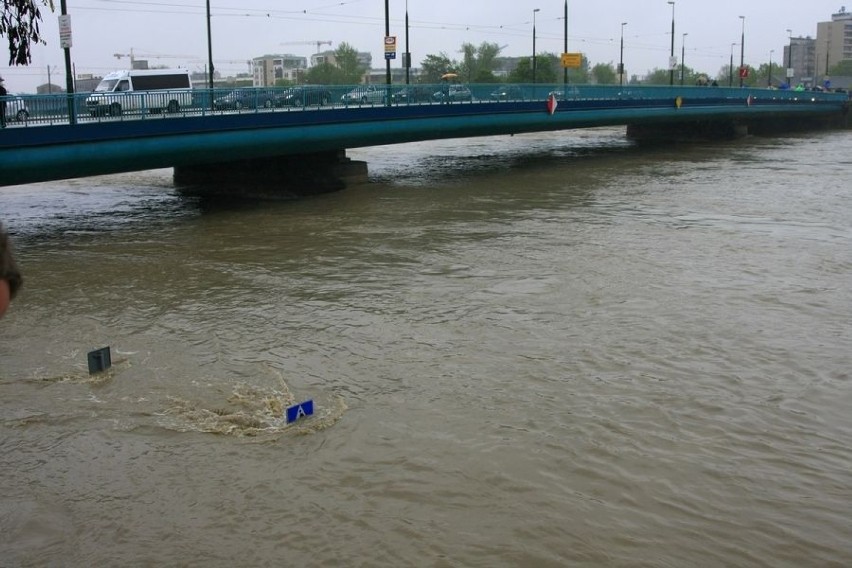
(19, 23)
(346, 59)
(842, 69)
(344, 71)
(478, 63)
(605, 74)
(433, 66)
(657, 77)
(546, 65)
(324, 74)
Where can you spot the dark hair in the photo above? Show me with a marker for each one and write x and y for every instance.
(8, 269)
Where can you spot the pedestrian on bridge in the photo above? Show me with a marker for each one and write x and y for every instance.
(3, 93)
(10, 277)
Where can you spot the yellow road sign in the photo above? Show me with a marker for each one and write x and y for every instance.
(572, 60)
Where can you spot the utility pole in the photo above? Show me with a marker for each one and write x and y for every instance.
(65, 22)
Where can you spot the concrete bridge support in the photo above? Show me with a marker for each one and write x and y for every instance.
(277, 177)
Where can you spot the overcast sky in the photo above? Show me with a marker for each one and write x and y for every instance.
(174, 32)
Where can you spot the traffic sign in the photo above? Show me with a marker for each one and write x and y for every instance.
(390, 47)
(572, 60)
(300, 410)
(743, 72)
(65, 31)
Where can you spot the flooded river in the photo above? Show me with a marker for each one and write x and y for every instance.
(542, 350)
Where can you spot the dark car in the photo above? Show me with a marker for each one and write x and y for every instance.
(244, 98)
(304, 95)
(453, 92)
(507, 93)
(412, 94)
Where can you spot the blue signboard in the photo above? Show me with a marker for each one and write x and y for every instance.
(300, 411)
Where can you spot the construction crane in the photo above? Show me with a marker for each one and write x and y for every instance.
(132, 55)
(318, 43)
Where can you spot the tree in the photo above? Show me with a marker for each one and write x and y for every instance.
(604, 74)
(545, 69)
(324, 74)
(433, 66)
(346, 59)
(19, 23)
(346, 69)
(658, 77)
(479, 62)
(842, 69)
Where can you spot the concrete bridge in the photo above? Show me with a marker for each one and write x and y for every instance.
(306, 142)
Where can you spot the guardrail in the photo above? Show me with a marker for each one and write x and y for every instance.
(55, 109)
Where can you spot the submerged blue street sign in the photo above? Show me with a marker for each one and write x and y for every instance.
(300, 411)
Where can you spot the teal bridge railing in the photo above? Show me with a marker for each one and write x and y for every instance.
(59, 136)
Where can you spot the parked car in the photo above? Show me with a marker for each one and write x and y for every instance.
(507, 93)
(455, 92)
(16, 109)
(412, 94)
(244, 98)
(304, 95)
(368, 94)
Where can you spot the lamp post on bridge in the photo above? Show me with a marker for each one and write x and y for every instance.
(769, 80)
(533, 59)
(621, 57)
(683, 59)
(671, 53)
(789, 72)
(731, 67)
(742, 52)
(565, 50)
(387, 60)
(407, 57)
(209, 56)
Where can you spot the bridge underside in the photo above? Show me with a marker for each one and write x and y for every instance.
(276, 177)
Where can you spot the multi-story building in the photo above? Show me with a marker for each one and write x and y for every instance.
(833, 42)
(268, 69)
(365, 58)
(800, 56)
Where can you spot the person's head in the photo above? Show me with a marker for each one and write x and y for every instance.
(10, 277)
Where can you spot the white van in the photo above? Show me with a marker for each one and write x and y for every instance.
(137, 90)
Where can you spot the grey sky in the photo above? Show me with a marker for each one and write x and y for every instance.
(176, 31)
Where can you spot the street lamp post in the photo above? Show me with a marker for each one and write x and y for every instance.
(621, 57)
(769, 81)
(565, 50)
(789, 72)
(671, 53)
(742, 51)
(731, 67)
(533, 61)
(683, 59)
(407, 57)
(209, 54)
(387, 34)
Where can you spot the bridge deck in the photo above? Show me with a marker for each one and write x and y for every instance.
(48, 146)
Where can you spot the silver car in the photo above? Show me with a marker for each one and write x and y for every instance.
(16, 109)
(368, 94)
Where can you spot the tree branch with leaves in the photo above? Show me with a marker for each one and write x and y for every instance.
(19, 23)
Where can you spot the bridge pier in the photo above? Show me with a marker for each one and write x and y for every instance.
(276, 177)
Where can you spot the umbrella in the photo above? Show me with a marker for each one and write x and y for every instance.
(449, 76)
